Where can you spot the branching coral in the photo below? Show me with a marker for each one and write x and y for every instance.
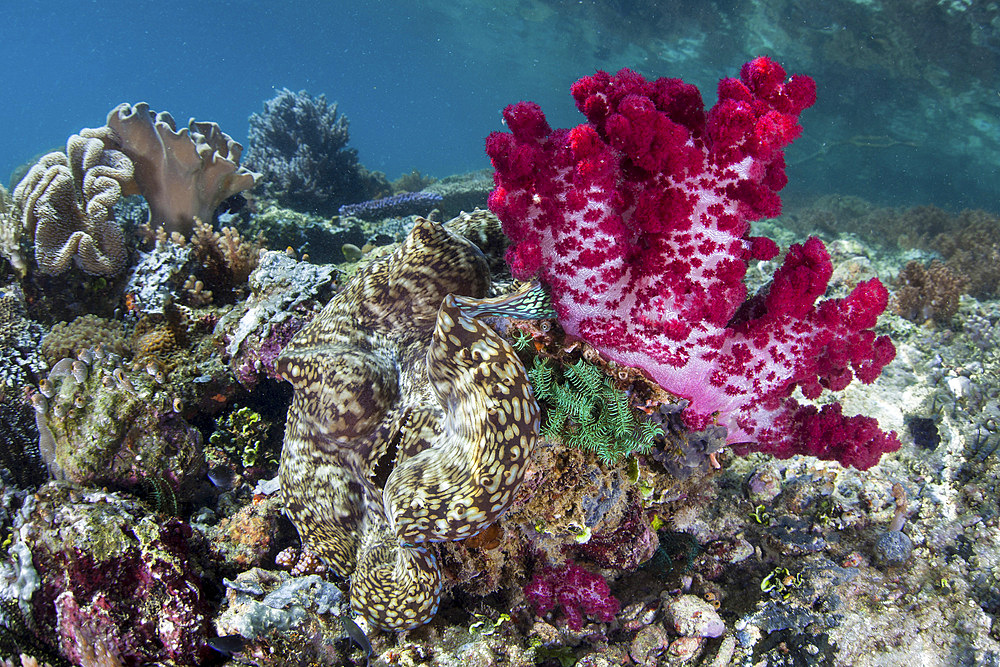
(66, 202)
(183, 174)
(227, 250)
(225, 261)
(299, 143)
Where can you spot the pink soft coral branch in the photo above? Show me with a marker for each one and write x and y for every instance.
(639, 221)
(578, 591)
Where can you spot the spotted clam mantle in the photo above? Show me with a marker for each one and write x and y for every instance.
(412, 423)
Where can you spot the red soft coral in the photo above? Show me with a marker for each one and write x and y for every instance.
(638, 221)
(579, 592)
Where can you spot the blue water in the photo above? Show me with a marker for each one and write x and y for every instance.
(424, 83)
(415, 98)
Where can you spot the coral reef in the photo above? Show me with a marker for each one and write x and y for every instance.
(66, 202)
(413, 181)
(283, 619)
(972, 249)
(156, 276)
(317, 238)
(299, 144)
(284, 295)
(414, 460)
(105, 420)
(969, 241)
(20, 645)
(389, 370)
(638, 221)
(19, 453)
(248, 537)
(223, 260)
(183, 174)
(20, 338)
(463, 192)
(11, 234)
(928, 292)
(393, 206)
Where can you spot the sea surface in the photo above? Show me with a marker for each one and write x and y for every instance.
(909, 92)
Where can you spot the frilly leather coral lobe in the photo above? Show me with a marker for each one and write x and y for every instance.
(66, 202)
(412, 423)
(183, 174)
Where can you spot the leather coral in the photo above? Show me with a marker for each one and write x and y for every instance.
(183, 174)
(66, 202)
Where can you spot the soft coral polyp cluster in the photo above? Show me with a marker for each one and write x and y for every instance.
(578, 591)
(639, 220)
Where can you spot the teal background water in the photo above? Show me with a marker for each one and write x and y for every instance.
(908, 91)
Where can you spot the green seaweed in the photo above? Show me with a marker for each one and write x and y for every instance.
(586, 410)
(243, 434)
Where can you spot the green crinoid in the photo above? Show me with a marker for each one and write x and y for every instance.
(586, 410)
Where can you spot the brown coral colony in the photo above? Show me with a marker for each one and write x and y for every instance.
(183, 174)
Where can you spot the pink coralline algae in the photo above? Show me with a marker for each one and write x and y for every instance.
(118, 584)
(579, 592)
(638, 221)
(253, 361)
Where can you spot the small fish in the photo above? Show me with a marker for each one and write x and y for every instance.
(221, 477)
(227, 645)
(359, 637)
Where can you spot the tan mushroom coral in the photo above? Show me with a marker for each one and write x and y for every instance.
(183, 174)
(412, 423)
(66, 202)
